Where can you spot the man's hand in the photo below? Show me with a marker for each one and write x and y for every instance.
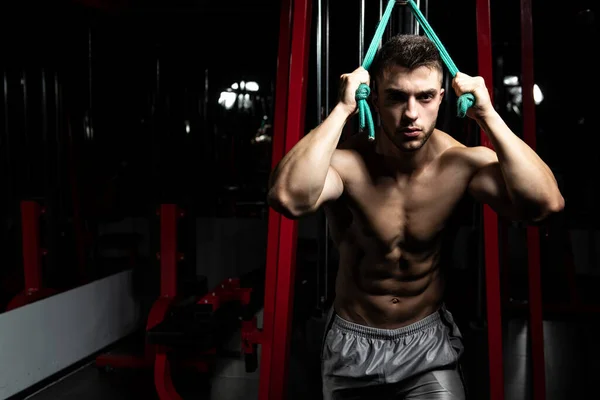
(349, 83)
(463, 83)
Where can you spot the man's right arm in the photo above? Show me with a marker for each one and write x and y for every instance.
(305, 178)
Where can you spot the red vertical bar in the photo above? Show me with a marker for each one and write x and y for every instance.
(32, 254)
(288, 228)
(490, 221)
(533, 236)
(168, 250)
(281, 97)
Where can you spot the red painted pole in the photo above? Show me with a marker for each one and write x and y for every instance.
(533, 236)
(168, 250)
(279, 125)
(32, 253)
(301, 22)
(490, 221)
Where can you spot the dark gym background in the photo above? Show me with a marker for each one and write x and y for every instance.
(111, 108)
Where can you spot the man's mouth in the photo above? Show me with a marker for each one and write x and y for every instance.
(410, 132)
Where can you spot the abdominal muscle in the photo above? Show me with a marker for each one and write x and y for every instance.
(387, 292)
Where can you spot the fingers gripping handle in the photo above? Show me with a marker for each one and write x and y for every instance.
(364, 112)
(463, 103)
(466, 100)
(363, 91)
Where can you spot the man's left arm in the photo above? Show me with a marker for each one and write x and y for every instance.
(519, 184)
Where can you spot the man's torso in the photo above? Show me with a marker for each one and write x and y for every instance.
(389, 229)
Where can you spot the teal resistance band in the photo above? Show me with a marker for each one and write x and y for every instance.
(362, 93)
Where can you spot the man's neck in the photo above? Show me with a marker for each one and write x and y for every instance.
(400, 160)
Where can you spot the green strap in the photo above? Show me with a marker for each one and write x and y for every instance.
(362, 93)
(466, 100)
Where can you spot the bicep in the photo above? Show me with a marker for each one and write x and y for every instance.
(488, 186)
(332, 189)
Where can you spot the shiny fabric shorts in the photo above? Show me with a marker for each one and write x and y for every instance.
(418, 361)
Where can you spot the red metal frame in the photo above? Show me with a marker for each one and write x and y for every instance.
(280, 118)
(157, 356)
(169, 256)
(153, 356)
(32, 253)
(284, 296)
(490, 221)
(533, 235)
(34, 289)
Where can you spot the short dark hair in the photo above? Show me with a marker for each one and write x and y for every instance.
(408, 51)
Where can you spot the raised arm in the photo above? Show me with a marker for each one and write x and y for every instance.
(514, 180)
(306, 176)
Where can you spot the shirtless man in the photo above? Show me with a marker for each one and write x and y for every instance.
(389, 333)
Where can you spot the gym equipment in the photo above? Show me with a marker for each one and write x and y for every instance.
(187, 331)
(33, 254)
(190, 335)
(291, 76)
(362, 93)
(491, 262)
(290, 107)
(169, 257)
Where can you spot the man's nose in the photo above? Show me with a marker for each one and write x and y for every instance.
(411, 111)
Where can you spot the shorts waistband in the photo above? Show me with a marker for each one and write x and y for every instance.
(378, 333)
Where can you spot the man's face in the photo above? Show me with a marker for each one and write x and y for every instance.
(408, 102)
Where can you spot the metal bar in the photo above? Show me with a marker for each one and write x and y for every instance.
(490, 220)
(416, 23)
(50, 188)
(32, 253)
(533, 236)
(28, 158)
(59, 209)
(406, 19)
(205, 99)
(89, 133)
(325, 114)
(77, 219)
(289, 228)
(361, 32)
(7, 145)
(44, 108)
(319, 59)
(90, 67)
(168, 250)
(163, 381)
(327, 82)
(381, 16)
(319, 108)
(390, 28)
(279, 123)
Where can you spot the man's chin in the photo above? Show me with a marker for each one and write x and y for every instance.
(410, 146)
(409, 149)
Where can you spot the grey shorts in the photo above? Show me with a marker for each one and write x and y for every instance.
(418, 361)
